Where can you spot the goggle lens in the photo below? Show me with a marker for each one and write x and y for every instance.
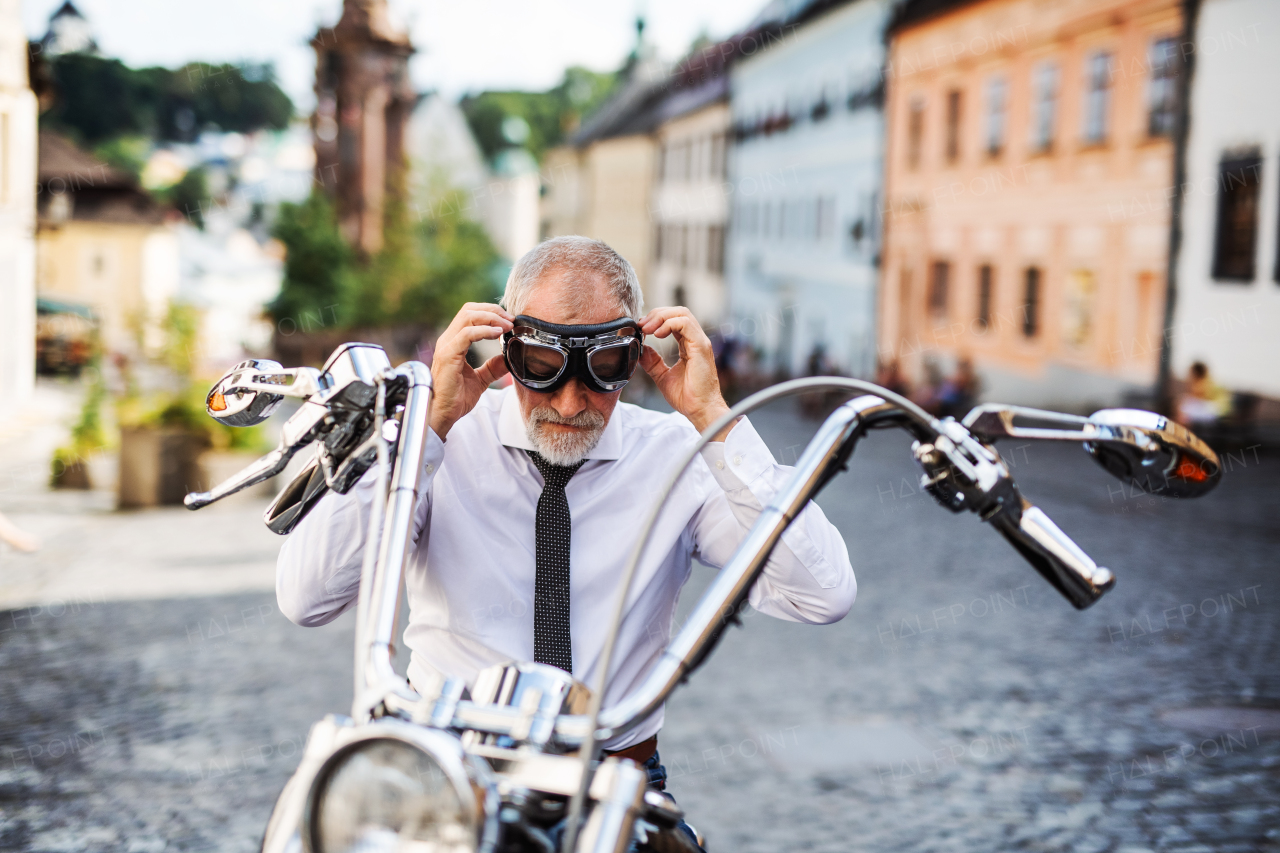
(615, 363)
(532, 362)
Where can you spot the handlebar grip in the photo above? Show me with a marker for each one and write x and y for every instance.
(1053, 554)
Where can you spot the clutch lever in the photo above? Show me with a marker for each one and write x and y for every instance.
(963, 473)
(301, 429)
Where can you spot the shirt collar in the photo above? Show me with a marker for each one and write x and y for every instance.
(511, 431)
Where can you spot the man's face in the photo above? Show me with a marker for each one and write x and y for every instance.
(565, 425)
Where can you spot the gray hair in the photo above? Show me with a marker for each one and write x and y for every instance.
(578, 259)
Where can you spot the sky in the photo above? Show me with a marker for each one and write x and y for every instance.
(463, 45)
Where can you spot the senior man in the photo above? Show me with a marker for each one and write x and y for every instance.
(533, 494)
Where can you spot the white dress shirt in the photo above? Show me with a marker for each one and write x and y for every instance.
(470, 573)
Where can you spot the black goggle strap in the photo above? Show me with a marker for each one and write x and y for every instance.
(592, 331)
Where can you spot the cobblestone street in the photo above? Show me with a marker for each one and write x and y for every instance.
(962, 706)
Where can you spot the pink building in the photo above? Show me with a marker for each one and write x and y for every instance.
(1026, 215)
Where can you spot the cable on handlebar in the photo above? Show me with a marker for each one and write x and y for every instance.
(750, 404)
(372, 545)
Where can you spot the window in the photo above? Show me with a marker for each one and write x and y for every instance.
(984, 296)
(1078, 316)
(997, 112)
(1097, 97)
(1044, 110)
(953, 125)
(1162, 90)
(1236, 239)
(5, 155)
(718, 160)
(1031, 304)
(915, 132)
(715, 248)
(938, 288)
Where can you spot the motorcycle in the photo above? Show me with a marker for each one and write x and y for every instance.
(514, 762)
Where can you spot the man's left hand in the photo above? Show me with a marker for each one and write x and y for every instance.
(691, 386)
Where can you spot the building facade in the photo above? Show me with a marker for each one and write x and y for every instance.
(363, 101)
(103, 243)
(600, 183)
(1026, 217)
(805, 169)
(17, 213)
(690, 197)
(1228, 286)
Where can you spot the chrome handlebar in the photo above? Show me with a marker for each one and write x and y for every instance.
(961, 468)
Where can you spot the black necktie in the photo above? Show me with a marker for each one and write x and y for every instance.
(551, 638)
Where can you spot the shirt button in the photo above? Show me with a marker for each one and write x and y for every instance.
(430, 467)
(737, 460)
(720, 464)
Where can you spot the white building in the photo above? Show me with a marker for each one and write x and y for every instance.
(1228, 300)
(17, 213)
(444, 157)
(805, 167)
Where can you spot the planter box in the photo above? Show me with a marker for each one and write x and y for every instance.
(158, 466)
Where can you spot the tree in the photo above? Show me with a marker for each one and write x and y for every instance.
(317, 268)
(549, 115)
(99, 99)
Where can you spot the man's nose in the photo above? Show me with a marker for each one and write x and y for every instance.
(570, 399)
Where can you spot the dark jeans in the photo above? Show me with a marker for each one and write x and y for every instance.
(658, 782)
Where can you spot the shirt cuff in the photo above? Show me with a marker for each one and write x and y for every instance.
(740, 459)
(432, 453)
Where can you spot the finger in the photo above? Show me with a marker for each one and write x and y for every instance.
(686, 330)
(492, 370)
(652, 363)
(473, 314)
(654, 318)
(488, 306)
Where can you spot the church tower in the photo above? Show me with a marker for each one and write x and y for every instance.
(363, 101)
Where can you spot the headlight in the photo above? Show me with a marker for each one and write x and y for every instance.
(410, 792)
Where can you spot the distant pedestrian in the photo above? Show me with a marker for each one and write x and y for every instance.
(16, 538)
(1202, 402)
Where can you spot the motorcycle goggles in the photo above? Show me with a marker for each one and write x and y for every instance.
(544, 356)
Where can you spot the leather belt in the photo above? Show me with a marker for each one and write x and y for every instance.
(638, 752)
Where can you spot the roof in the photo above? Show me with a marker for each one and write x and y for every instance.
(698, 80)
(91, 191)
(914, 12)
(67, 8)
(60, 158)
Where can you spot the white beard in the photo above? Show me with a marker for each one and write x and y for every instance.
(562, 447)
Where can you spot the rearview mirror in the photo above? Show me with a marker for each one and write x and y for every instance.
(1145, 448)
(233, 402)
(1156, 454)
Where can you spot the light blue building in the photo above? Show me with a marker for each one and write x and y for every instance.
(802, 254)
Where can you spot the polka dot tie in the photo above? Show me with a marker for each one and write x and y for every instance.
(551, 638)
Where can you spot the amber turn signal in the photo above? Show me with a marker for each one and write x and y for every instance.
(217, 402)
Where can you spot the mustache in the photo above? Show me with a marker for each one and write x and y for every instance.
(586, 418)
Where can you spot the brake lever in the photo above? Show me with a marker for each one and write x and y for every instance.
(961, 473)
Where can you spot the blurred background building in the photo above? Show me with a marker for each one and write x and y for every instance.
(943, 194)
(1027, 141)
(17, 214)
(103, 245)
(689, 205)
(1228, 302)
(803, 251)
(600, 183)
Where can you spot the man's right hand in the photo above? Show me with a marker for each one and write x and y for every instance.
(458, 385)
